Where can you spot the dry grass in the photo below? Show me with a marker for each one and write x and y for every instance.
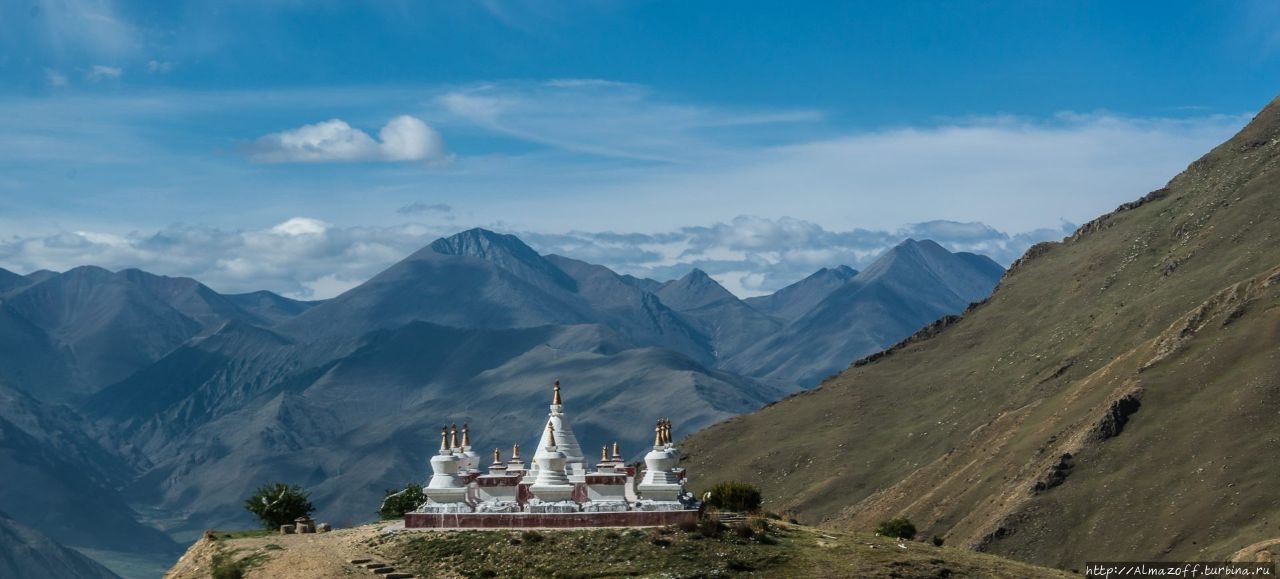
(1173, 304)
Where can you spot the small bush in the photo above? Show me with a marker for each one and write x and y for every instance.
(760, 526)
(773, 515)
(766, 539)
(734, 496)
(531, 537)
(279, 504)
(743, 530)
(398, 502)
(687, 526)
(710, 528)
(899, 528)
(937, 541)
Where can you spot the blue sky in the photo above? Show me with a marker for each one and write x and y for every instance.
(301, 146)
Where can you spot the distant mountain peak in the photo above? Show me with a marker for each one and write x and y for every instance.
(483, 244)
(694, 290)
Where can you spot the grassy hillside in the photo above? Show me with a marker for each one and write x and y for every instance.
(1115, 398)
(788, 551)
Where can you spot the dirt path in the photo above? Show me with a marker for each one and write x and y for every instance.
(1260, 552)
(285, 556)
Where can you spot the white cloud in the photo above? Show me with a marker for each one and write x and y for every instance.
(103, 72)
(54, 78)
(403, 138)
(301, 226)
(605, 118)
(159, 67)
(69, 28)
(306, 258)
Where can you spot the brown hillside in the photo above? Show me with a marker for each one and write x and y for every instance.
(1117, 397)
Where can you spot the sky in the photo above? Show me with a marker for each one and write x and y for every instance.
(303, 146)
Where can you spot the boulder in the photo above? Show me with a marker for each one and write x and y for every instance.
(287, 529)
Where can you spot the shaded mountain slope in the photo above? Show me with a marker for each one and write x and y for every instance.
(269, 307)
(797, 299)
(59, 481)
(10, 281)
(25, 552)
(729, 324)
(367, 421)
(624, 304)
(1115, 398)
(907, 287)
(476, 279)
(101, 327)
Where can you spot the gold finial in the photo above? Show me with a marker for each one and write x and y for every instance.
(444, 438)
(669, 428)
(657, 434)
(453, 437)
(515, 451)
(617, 452)
(466, 435)
(555, 399)
(551, 435)
(604, 453)
(497, 456)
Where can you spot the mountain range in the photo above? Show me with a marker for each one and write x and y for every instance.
(158, 402)
(1114, 399)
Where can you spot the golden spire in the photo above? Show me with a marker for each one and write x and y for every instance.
(466, 435)
(657, 434)
(604, 453)
(453, 437)
(666, 430)
(444, 438)
(497, 456)
(617, 452)
(555, 399)
(515, 451)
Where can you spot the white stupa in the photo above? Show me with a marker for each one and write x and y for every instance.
(470, 460)
(552, 489)
(446, 492)
(661, 489)
(561, 435)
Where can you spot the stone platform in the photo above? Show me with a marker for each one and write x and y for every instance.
(546, 520)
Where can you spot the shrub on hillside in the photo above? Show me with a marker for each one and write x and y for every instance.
(899, 528)
(396, 503)
(279, 504)
(734, 496)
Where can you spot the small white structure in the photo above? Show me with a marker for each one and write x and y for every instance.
(557, 481)
(561, 434)
(663, 486)
(446, 491)
(470, 460)
(498, 491)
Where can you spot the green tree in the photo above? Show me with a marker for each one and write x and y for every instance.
(398, 502)
(279, 504)
(734, 496)
(899, 528)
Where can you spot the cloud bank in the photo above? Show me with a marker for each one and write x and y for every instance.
(308, 258)
(403, 138)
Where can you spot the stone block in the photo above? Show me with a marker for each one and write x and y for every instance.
(323, 528)
(287, 529)
(305, 528)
